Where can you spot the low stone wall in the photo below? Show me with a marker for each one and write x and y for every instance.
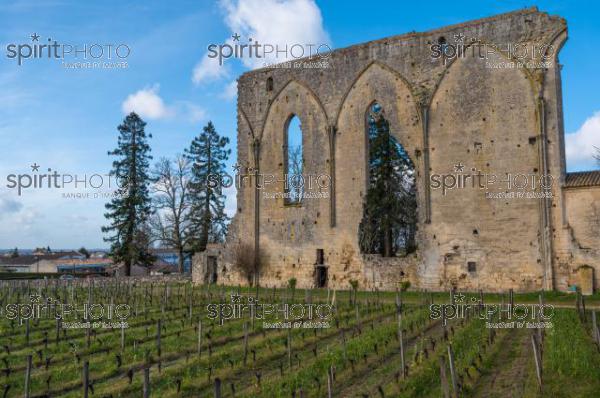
(385, 273)
(388, 273)
(159, 278)
(225, 273)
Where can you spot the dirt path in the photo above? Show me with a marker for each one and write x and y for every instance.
(509, 368)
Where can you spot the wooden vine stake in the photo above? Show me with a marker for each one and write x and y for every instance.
(146, 386)
(444, 378)
(27, 376)
(86, 378)
(538, 360)
(452, 372)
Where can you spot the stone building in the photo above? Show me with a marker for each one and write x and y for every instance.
(478, 108)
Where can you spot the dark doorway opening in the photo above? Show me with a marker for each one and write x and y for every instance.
(211, 269)
(321, 276)
(320, 257)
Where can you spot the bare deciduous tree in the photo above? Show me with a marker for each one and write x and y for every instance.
(296, 180)
(171, 221)
(243, 261)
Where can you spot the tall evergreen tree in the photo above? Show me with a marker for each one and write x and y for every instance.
(390, 207)
(208, 153)
(130, 208)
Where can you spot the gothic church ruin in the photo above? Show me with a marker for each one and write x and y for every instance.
(476, 107)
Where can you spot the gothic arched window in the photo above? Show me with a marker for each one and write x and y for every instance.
(390, 208)
(294, 161)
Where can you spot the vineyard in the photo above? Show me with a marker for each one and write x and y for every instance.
(173, 339)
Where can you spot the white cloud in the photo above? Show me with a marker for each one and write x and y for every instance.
(29, 215)
(77, 218)
(9, 205)
(579, 146)
(194, 112)
(28, 219)
(230, 91)
(278, 23)
(209, 68)
(149, 105)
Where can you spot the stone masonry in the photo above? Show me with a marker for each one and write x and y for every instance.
(498, 115)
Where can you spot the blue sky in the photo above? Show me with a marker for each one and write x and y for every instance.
(66, 119)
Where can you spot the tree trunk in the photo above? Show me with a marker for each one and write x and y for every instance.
(132, 185)
(180, 259)
(387, 241)
(203, 241)
(128, 267)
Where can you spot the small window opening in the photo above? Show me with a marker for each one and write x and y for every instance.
(472, 266)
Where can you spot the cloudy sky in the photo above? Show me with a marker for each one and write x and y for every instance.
(65, 119)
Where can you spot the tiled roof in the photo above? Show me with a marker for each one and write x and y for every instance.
(29, 259)
(583, 179)
(21, 260)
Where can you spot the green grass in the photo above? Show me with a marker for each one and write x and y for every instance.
(370, 360)
(571, 359)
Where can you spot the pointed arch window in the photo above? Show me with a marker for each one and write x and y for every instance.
(390, 208)
(294, 161)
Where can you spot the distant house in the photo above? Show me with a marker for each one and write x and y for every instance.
(17, 264)
(46, 262)
(99, 254)
(49, 263)
(73, 262)
(85, 266)
(84, 269)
